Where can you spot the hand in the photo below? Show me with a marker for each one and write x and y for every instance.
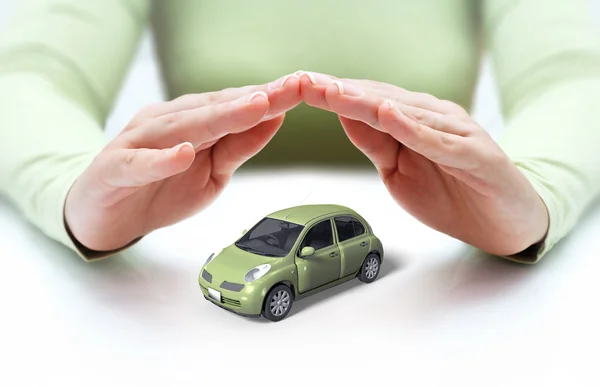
(436, 162)
(173, 160)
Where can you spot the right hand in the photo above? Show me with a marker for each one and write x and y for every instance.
(437, 163)
(172, 160)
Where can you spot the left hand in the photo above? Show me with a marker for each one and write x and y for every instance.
(173, 160)
(436, 162)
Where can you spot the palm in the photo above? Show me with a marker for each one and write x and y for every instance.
(450, 200)
(428, 192)
(165, 202)
(175, 198)
(173, 160)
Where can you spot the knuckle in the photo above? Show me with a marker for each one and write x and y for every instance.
(419, 115)
(209, 127)
(450, 146)
(449, 141)
(213, 97)
(131, 157)
(172, 121)
(416, 133)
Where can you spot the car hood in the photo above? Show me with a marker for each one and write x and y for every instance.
(233, 263)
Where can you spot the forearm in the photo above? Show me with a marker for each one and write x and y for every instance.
(46, 142)
(546, 58)
(61, 66)
(554, 142)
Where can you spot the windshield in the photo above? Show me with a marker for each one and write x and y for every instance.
(271, 237)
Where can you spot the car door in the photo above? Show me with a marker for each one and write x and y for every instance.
(324, 265)
(353, 243)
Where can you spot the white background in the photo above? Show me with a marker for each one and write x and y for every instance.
(439, 314)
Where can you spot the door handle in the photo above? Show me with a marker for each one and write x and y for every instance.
(364, 243)
(332, 254)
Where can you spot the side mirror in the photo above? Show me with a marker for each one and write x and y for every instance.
(244, 232)
(307, 251)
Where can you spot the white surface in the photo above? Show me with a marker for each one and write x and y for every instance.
(439, 314)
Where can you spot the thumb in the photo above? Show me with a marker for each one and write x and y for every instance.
(139, 167)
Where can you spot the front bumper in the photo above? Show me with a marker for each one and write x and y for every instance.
(247, 302)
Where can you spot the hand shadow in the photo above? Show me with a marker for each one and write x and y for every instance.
(130, 283)
(473, 278)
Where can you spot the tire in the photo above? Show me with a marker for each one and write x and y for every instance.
(370, 268)
(282, 295)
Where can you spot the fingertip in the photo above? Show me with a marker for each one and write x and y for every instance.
(177, 149)
(394, 122)
(291, 81)
(305, 86)
(258, 97)
(389, 112)
(259, 102)
(182, 154)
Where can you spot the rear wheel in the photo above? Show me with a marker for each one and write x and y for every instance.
(278, 303)
(370, 268)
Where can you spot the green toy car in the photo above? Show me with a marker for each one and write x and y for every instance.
(289, 255)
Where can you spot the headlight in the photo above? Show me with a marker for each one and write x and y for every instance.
(209, 259)
(257, 272)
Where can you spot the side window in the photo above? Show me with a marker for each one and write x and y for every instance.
(319, 236)
(348, 227)
(344, 227)
(359, 229)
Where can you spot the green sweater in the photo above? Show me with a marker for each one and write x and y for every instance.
(62, 63)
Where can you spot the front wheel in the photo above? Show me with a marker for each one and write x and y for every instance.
(370, 268)
(278, 303)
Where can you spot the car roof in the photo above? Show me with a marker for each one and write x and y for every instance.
(305, 213)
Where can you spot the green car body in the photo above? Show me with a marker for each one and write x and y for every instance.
(224, 278)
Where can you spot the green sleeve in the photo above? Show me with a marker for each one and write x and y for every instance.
(546, 59)
(62, 63)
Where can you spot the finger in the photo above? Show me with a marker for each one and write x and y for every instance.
(381, 148)
(233, 151)
(442, 122)
(411, 98)
(313, 85)
(354, 103)
(139, 167)
(202, 125)
(440, 147)
(283, 94)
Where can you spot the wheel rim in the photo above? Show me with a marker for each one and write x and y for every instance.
(371, 268)
(280, 302)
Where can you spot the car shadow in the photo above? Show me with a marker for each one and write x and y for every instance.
(391, 263)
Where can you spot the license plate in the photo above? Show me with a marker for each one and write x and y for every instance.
(214, 294)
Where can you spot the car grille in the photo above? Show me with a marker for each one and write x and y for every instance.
(207, 276)
(224, 300)
(230, 301)
(232, 286)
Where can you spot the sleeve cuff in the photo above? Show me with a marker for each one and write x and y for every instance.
(58, 228)
(534, 253)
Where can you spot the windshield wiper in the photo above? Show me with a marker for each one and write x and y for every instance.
(260, 252)
(248, 248)
(270, 255)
